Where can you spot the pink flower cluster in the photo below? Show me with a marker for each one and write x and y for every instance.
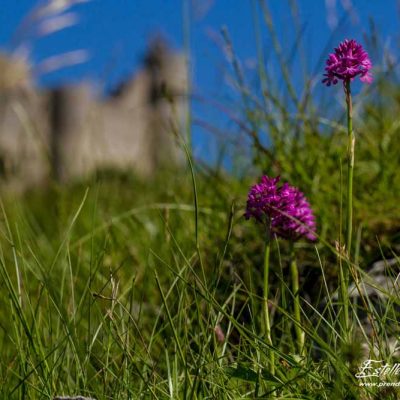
(284, 208)
(348, 61)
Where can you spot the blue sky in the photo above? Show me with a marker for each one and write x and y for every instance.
(115, 33)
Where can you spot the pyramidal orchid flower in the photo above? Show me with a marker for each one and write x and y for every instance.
(283, 208)
(348, 61)
(285, 212)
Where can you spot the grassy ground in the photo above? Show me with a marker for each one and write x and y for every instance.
(118, 288)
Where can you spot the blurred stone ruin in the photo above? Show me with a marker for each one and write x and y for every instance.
(66, 133)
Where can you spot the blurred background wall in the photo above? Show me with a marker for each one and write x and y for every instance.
(67, 132)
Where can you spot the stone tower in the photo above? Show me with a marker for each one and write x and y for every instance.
(69, 134)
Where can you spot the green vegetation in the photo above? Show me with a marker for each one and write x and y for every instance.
(106, 293)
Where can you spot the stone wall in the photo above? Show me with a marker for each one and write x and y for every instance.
(68, 134)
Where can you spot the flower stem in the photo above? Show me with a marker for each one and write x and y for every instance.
(267, 323)
(350, 170)
(296, 302)
(349, 209)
